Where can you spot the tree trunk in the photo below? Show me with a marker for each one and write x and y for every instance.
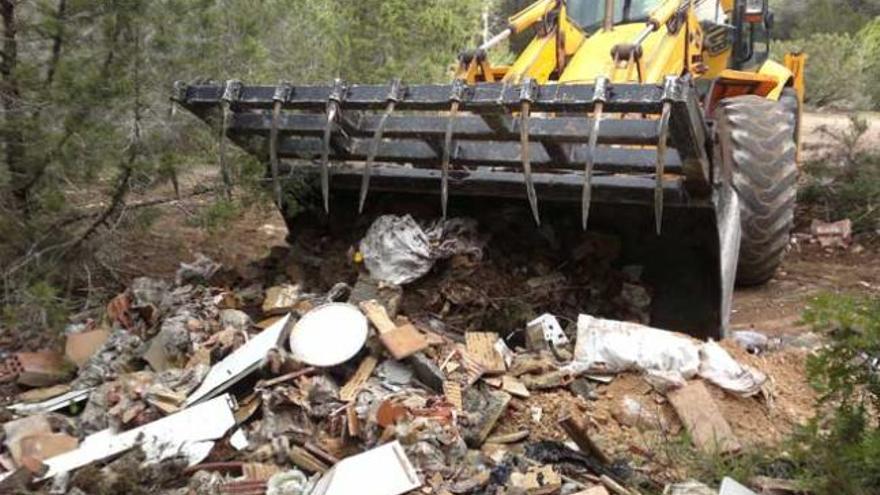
(10, 101)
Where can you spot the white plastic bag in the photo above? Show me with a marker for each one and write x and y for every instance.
(396, 250)
(720, 368)
(609, 346)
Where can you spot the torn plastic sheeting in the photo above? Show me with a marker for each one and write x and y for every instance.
(720, 368)
(398, 251)
(358, 474)
(189, 433)
(240, 363)
(609, 346)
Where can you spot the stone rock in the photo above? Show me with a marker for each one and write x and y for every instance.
(239, 320)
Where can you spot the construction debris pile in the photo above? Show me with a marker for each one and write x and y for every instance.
(211, 385)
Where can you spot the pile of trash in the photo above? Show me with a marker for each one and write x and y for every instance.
(279, 390)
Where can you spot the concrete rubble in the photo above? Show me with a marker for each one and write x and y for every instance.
(279, 394)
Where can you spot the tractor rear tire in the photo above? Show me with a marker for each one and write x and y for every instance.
(758, 142)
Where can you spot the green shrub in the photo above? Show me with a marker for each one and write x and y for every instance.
(836, 68)
(839, 451)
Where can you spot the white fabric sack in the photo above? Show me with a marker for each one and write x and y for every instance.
(609, 346)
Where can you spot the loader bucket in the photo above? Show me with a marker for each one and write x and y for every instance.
(644, 172)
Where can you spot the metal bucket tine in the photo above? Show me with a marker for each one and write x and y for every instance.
(668, 90)
(282, 92)
(661, 165)
(526, 96)
(394, 95)
(333, 103)
(231, 92)
(458, 88)
(599, 98)
(325, 156)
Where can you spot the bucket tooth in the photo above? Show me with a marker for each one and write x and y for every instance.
(282, 92)
(457, 93)
(663, 133)
(231, 94)
(527, 94)
(395, 94)
(599, 98)
(334, 102)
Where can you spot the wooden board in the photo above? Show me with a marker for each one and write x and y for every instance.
(452, 392)
(350, 390)
(699, 413)
(481, 346)
(514, 387)
(403, 341)
(577, 431)
(378, 316)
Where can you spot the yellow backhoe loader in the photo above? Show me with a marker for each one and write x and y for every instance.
(662, 121)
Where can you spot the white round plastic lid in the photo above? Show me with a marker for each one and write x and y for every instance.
(329, 335)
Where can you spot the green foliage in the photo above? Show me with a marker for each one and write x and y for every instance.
(803, 18)
(870, 36)
(84, 103)
(840, 449)
(217, 214)
(842, 42)
(835, 70)
(846, 183)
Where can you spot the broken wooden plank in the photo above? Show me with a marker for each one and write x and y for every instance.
(577, 431)
(378, 316)
(703, 420)
(354, 385)
(481, 346)
(305, 460)
(514, 387)
(452, 392)
(487, 408)
(404, 341)
(400, 341)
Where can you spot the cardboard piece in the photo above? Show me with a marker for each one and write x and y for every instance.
(709, 430)
(358, 474)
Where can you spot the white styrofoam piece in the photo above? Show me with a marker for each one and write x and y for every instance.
(53, 404)
(385, 470)
(551, 329)
(730, 486)
(186, 433)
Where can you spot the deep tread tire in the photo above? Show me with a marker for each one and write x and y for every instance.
(758, 141)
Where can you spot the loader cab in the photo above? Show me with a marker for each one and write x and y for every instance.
(752, 22)
(589, 14)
